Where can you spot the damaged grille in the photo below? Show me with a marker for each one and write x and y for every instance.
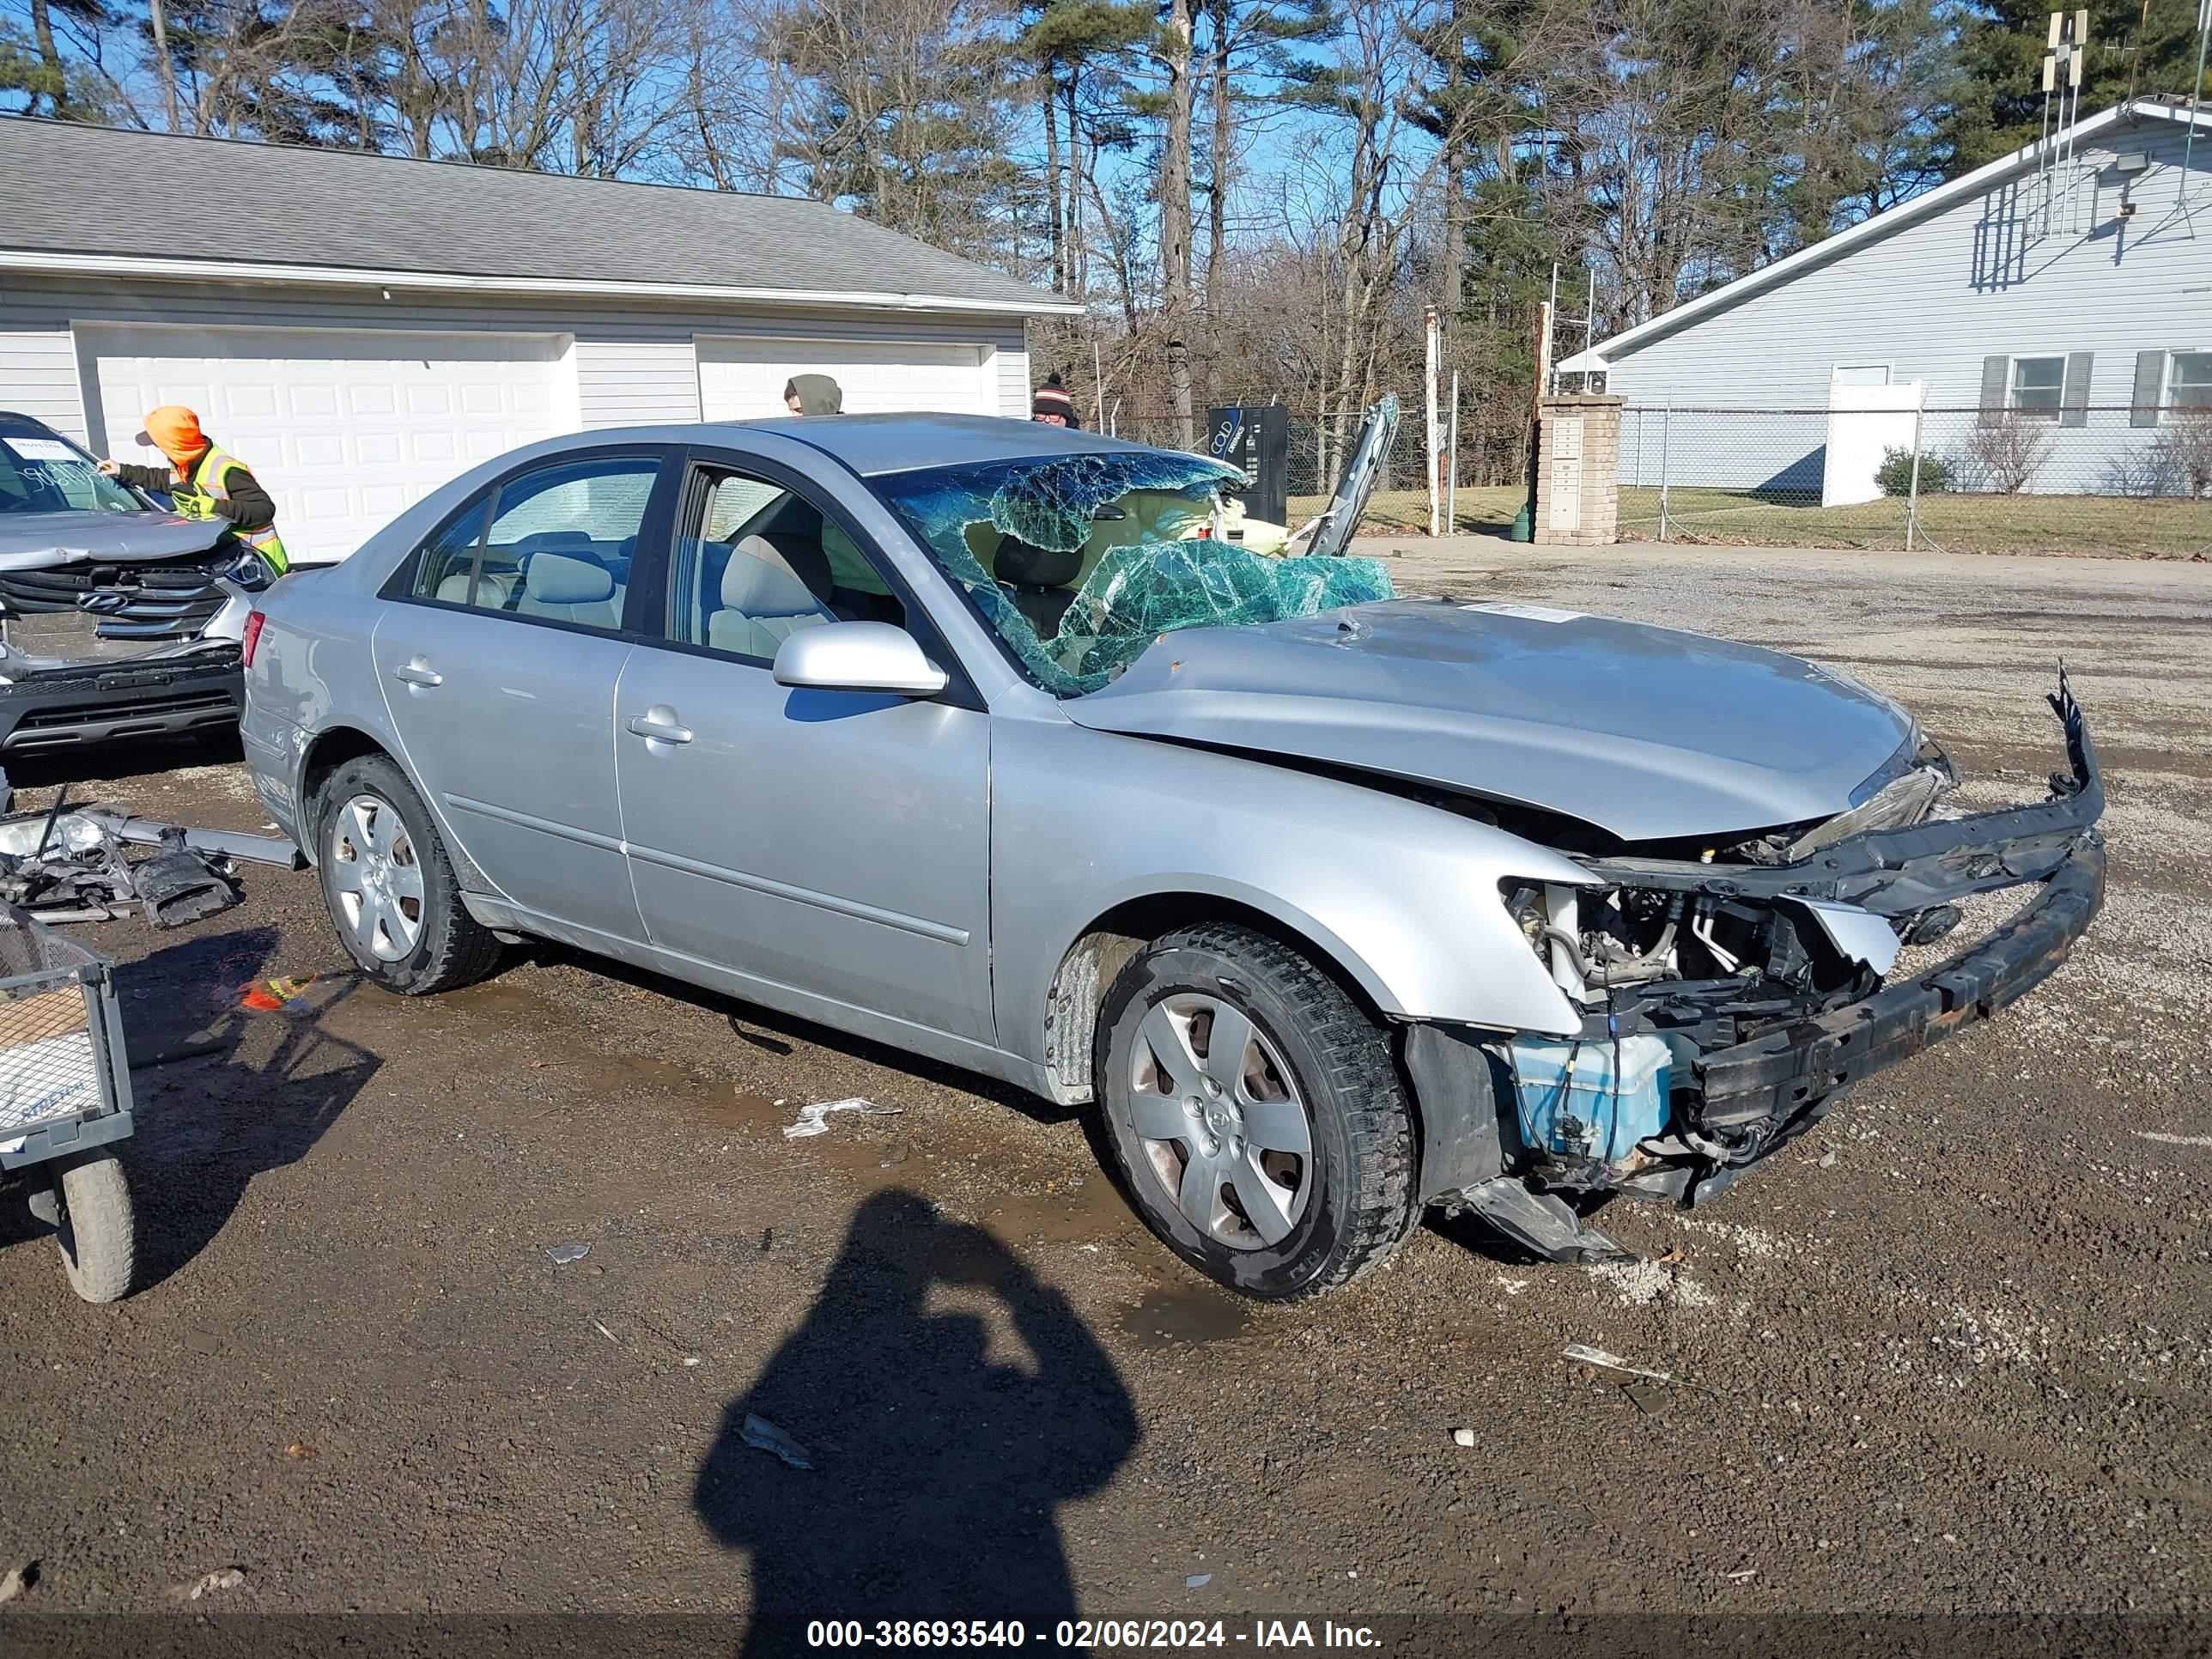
(121, 601)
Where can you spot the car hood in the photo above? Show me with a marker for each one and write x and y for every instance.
(1647, 733)
(39, 541)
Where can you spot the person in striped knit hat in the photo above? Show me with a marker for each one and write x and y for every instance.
(1052, 406)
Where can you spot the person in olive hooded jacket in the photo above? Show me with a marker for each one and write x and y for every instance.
(850, 569)
(813, 394)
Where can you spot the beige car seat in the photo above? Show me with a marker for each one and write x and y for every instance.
(763, 602)
(570, 590)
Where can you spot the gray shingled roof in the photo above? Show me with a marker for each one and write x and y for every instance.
(71, 189)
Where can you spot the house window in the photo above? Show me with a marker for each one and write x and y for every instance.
(2038, 385)
(2188, 381)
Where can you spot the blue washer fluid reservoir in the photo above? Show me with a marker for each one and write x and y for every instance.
(1573, 1102)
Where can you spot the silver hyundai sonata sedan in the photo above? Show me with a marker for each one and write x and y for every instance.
(989, 741)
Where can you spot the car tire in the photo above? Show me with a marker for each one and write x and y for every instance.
(95, 1229)
(389, 886)
(1208, 1147)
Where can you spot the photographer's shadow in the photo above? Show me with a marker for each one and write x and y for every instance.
(224, 1095)
(936, 1472)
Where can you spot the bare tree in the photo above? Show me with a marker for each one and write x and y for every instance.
(2183, 450)
(2004, 452)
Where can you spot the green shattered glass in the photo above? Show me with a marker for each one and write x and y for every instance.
(1135, 593)
(1050, 504)
(1139, 593)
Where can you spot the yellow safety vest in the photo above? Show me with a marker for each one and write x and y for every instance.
(195, 497)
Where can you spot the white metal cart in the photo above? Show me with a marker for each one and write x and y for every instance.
(65, 1100)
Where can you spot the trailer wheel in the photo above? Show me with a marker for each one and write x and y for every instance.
(99, 1238)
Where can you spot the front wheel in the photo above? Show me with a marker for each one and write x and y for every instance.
(1255, 1113)
(389, 886)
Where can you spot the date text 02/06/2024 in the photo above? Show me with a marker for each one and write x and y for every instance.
(1089, 1634)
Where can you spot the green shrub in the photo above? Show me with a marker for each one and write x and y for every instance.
(1894, 475)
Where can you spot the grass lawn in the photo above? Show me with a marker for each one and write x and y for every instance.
(2105, 525)
(1408, 509)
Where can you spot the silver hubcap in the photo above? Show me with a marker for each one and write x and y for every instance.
(1220, 1120)
(377, 878)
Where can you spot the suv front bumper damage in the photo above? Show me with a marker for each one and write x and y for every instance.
(94, 702)
(96, 650)
(1765, 1063)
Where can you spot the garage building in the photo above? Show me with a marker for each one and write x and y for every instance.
(359, 328)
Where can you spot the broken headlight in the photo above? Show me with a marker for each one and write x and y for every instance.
(1901, 793)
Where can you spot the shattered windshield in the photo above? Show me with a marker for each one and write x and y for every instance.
(1078, 563)
(42, 473)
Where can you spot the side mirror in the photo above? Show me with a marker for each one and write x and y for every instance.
(858, 656)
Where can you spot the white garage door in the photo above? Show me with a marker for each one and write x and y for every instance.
(743, 380)
(344, 428)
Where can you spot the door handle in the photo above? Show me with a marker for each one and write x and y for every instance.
(416, 670)
(659, 725)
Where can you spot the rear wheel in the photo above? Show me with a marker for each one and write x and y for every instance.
(95, 1229)
(389, 885)
(1255, 1113)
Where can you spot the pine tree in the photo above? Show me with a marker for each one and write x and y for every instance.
(2133, 49)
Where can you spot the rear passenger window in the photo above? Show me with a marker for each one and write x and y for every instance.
(559, 546)
(443, 563)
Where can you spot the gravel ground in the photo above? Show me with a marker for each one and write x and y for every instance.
(1947, 1355)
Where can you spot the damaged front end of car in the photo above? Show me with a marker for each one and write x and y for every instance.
(1728, 998)
(96, 648)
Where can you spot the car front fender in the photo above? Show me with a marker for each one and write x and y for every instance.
(1400, 897)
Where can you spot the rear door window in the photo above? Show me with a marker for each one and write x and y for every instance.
(553, 543)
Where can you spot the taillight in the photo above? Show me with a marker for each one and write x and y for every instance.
(253, 621)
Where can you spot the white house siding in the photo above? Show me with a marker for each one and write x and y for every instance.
(1933, 300)
(38, 373)
(635, 382)
(623, 364)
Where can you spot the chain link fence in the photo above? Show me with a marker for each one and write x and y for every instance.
(2106, 479)
(2112, 479)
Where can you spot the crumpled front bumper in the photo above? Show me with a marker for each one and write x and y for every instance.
(107, 702)
(1769, 1076)
(1760, 1076)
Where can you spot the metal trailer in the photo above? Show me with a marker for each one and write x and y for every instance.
(65, 1100)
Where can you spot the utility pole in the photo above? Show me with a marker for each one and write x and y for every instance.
(1451, 447)
(1435, 500)
(2196, 92)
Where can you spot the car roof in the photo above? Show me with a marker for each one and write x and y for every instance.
(872, 445)
(25, 426)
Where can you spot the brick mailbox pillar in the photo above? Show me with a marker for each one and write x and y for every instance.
(1578, 471)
